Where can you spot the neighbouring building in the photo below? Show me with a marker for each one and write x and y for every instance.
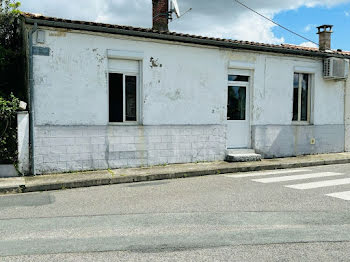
(108, 96)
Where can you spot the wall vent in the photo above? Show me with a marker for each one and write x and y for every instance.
(335, 68)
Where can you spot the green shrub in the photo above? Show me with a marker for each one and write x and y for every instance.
(8, 130)
(12, 54)
(12, 78)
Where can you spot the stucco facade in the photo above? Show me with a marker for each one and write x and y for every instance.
(182, 103)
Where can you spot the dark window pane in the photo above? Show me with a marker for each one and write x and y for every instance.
(236, 106)
(130, 98)
(304, 97)
(115, 97)
(295, 97)
(238, 78)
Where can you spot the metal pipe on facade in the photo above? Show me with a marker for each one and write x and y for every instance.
(31, 96)
(346, 106)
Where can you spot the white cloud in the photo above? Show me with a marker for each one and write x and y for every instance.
(222, 18)
(308, 44)
(242, 27)
(347, 13)
(309, 27)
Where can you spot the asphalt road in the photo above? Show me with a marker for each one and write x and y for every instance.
(286, 215)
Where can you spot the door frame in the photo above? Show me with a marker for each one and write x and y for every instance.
(249, 96)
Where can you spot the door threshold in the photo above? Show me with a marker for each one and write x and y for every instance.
(238, 148)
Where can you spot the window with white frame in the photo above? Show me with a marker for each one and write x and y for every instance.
(301, 97)
(123, 91)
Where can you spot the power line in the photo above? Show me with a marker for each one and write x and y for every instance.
(285, 28)
(189, 10)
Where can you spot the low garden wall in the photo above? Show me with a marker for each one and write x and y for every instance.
(14, 138)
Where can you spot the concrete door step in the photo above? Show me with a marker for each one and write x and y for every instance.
(240, 151)
(242, 155)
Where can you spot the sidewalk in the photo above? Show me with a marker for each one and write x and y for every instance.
(130, 175)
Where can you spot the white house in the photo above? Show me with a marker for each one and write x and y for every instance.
(108, 96)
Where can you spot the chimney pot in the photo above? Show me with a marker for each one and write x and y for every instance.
(325, 33)
(160, 15)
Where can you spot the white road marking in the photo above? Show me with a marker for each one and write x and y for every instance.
(341, 195)
(296, 177)
(319, 184)
(268, 173)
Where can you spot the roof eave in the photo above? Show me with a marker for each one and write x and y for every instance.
(177, 38)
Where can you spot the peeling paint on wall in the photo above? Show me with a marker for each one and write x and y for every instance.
(190, 82)
(174, 95)
(204, 80)
(62, 33)
(155, 63)
(239, 55)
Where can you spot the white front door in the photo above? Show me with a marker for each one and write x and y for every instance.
(238, 110)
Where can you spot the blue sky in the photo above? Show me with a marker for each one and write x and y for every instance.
(219, 18)
(304, 20)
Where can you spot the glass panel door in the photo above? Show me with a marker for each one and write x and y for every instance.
(236, 105)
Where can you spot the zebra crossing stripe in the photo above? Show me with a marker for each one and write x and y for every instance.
(341, 195)
(268, 173)
(296, 177)
(326, 183)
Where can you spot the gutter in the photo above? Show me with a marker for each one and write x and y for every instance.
(31, 99)
(178, 38)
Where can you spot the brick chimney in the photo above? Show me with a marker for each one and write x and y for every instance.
(324, 33)
(160, 15)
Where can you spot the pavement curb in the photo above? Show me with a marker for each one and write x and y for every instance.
(80, 183)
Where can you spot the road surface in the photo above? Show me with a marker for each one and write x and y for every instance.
(284, 215)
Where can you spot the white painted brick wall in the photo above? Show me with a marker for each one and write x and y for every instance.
(65, 149)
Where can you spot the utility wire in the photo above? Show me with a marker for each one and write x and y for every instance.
(189, 10)
(285, 28)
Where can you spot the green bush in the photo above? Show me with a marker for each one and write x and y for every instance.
(12, 54)
(8, 130)
(12, 78)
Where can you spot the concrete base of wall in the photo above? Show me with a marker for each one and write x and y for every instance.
(347, 138)
(8, 171)
(23, 142)
(284, 141)
(76, 148)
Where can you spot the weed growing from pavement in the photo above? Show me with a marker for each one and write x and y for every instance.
(111, 172)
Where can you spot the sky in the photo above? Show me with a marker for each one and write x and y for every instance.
(220, 18)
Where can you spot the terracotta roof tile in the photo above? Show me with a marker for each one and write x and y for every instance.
(130, 28)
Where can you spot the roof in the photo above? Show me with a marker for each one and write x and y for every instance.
(179, 37)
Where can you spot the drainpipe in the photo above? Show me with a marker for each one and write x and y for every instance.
(346, 112)
(31, 96)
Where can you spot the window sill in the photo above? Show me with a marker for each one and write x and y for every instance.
(301, 123)
(124, 124)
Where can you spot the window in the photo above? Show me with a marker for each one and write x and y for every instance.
(301, 97)
(238, 78)
(237, 97)
(122, 98)
(123, 91)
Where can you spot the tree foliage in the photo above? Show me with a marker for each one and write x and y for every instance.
(8, 130)
(12, 62)
(12, 78)
(9, 7)
(10, 36)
